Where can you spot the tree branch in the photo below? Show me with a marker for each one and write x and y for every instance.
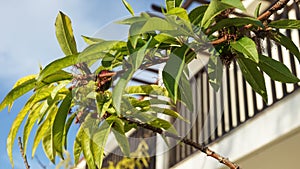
(277, 6)
(187, 141)
(23, 154)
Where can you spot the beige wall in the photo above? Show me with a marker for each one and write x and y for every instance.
(282, 153)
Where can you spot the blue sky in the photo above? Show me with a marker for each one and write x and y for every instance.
(28, 39)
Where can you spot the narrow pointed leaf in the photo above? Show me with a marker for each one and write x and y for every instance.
(236, 22)
(48, 146)
(99, 50)
(285, 24)
(147, 90)
(31, 120)
(14, 129)
(90, 40)
(136, 60)
(119, 133)
(99, 141)
(286, 42)
(58, 76)
(128, 7)
(43, 128)
(58, 65)
(214, 8)
(87, 141)
(20, 89)
(185, 91)
(197, 14)
(59, 123)
(276, 70)
(235, 3)
(64, 34)
(66, 129)
(163, 124)
(173, 70)
(247, 47)
(257, 10)
(215, 71)
(169, 112)
(180, 12)
(253, 76)
(77, 148)
(156, 24)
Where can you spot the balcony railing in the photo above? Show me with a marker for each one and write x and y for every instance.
(219, 113)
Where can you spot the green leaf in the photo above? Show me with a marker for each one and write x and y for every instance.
(99, 141)
(247, 47)
(99, 50)
(135, 59)
(285, 24)
(163, 124)
(119, 132)
(253, 76)
(15, 127)
(86, 144)
(64, 34)
(58, 65)
(173, 70)
(286, 42)
(128, 7)
(257, 10)
(24, 80)
(77, 148)
(235, 3)
(59, 124)
(156, 24)
(214, 8)
(147, 90)
(91, 41)
(169, 112)
(171, 4)
(215, 71)
(58, 88)
(103, 103)
(276, 70)
(48, 146)
(165, 38)
(180, 12)
(37, 97)
(132, 20)
(58, 76)
(43, 128)
(185, 90)
(228, 22)
(67, 127)
(31, 119)
(23, 86)
(197, 14)
(119, 88)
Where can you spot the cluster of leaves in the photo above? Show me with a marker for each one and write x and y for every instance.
(60, 97)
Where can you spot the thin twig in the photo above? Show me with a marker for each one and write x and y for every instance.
(187, 141)
(23, 154)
